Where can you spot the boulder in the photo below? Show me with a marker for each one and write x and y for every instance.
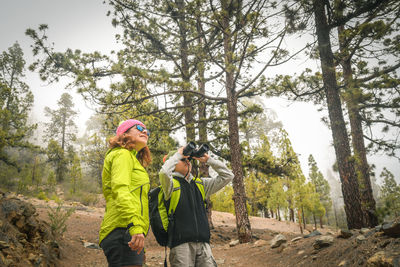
(313, 233)
(363, 231)
(260, 243)
(360, 238)
(344, 233)
(296, 239)
(91, 245)
(24, 240)
(234, 243)
(383, 258)
(278, 240)
(323, 241)
(392, 229)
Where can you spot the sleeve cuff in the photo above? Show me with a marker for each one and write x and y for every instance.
(134, 230)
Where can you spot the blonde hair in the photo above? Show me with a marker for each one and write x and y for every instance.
(126, 141)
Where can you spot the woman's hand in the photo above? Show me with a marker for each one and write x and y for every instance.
(137, 243)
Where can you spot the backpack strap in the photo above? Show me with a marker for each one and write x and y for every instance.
(175, 196)
(200, 186)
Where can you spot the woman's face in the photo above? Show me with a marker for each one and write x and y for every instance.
(138, 137)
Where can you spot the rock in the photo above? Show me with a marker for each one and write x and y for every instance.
(24, 240)
(384, 243)
(383, 258)
(4, 245)
(234, 243)
(220, 261)
(392, 229)
(32, 257)
(323, 241)
(360, 238)
(370, 233)
(91, 245)
(300, 252)
(363, 231)
(260, 243)
(378, 228)
(278, 240)
(296, 239)
(313, 233)
(343, 233)
(342, 263)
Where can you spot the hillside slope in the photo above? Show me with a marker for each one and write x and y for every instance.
(371, 248)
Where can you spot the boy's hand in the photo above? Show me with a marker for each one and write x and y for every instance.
(203, 159)
(180, 151)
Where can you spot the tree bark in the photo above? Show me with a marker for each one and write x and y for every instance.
(339, 133)
(239, 196)
(202, 127)
(315, 221)
(351, 97)
(299, 216)
(187, 99)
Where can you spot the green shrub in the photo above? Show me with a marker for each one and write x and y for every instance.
(42, 195)
(89, 199)
(56, 198)
(58, 218)
(84, 198)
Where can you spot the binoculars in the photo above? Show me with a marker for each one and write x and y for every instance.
(191, 150)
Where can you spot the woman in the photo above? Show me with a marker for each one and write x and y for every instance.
(125, 187)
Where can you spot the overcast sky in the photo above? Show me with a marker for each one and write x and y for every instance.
(83, 24)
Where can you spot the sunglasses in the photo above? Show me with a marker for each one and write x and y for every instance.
(140, 128)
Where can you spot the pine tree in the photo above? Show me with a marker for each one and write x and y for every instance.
(16, 101)
(75, 174)
(390, 194)
(60, 132)
(322, 187)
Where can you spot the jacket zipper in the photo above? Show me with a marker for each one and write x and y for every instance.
(141, 203)
(140, 197)
(194, 212)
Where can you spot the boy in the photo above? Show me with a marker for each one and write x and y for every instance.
(191, 233)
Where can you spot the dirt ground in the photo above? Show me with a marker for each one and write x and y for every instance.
(83, 226)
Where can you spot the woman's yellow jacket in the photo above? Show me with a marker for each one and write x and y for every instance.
(125, 187)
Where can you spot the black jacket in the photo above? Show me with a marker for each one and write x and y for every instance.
(190, 216)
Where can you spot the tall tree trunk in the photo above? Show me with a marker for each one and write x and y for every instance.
(315, 221)
(239, 196)
(320, 222)
(351, 97)
(299, 217)
(187, 99)
(304, 219)
(335, 214)
(341, 144)
(35, 161)
(327, 219)
(202, 127)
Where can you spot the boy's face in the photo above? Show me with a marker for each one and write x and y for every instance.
(183, 167)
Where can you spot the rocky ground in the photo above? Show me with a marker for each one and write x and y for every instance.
(25, 240)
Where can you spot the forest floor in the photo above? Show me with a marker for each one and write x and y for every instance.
(83, 226)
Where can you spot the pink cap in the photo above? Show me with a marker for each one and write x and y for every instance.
(125, 125)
